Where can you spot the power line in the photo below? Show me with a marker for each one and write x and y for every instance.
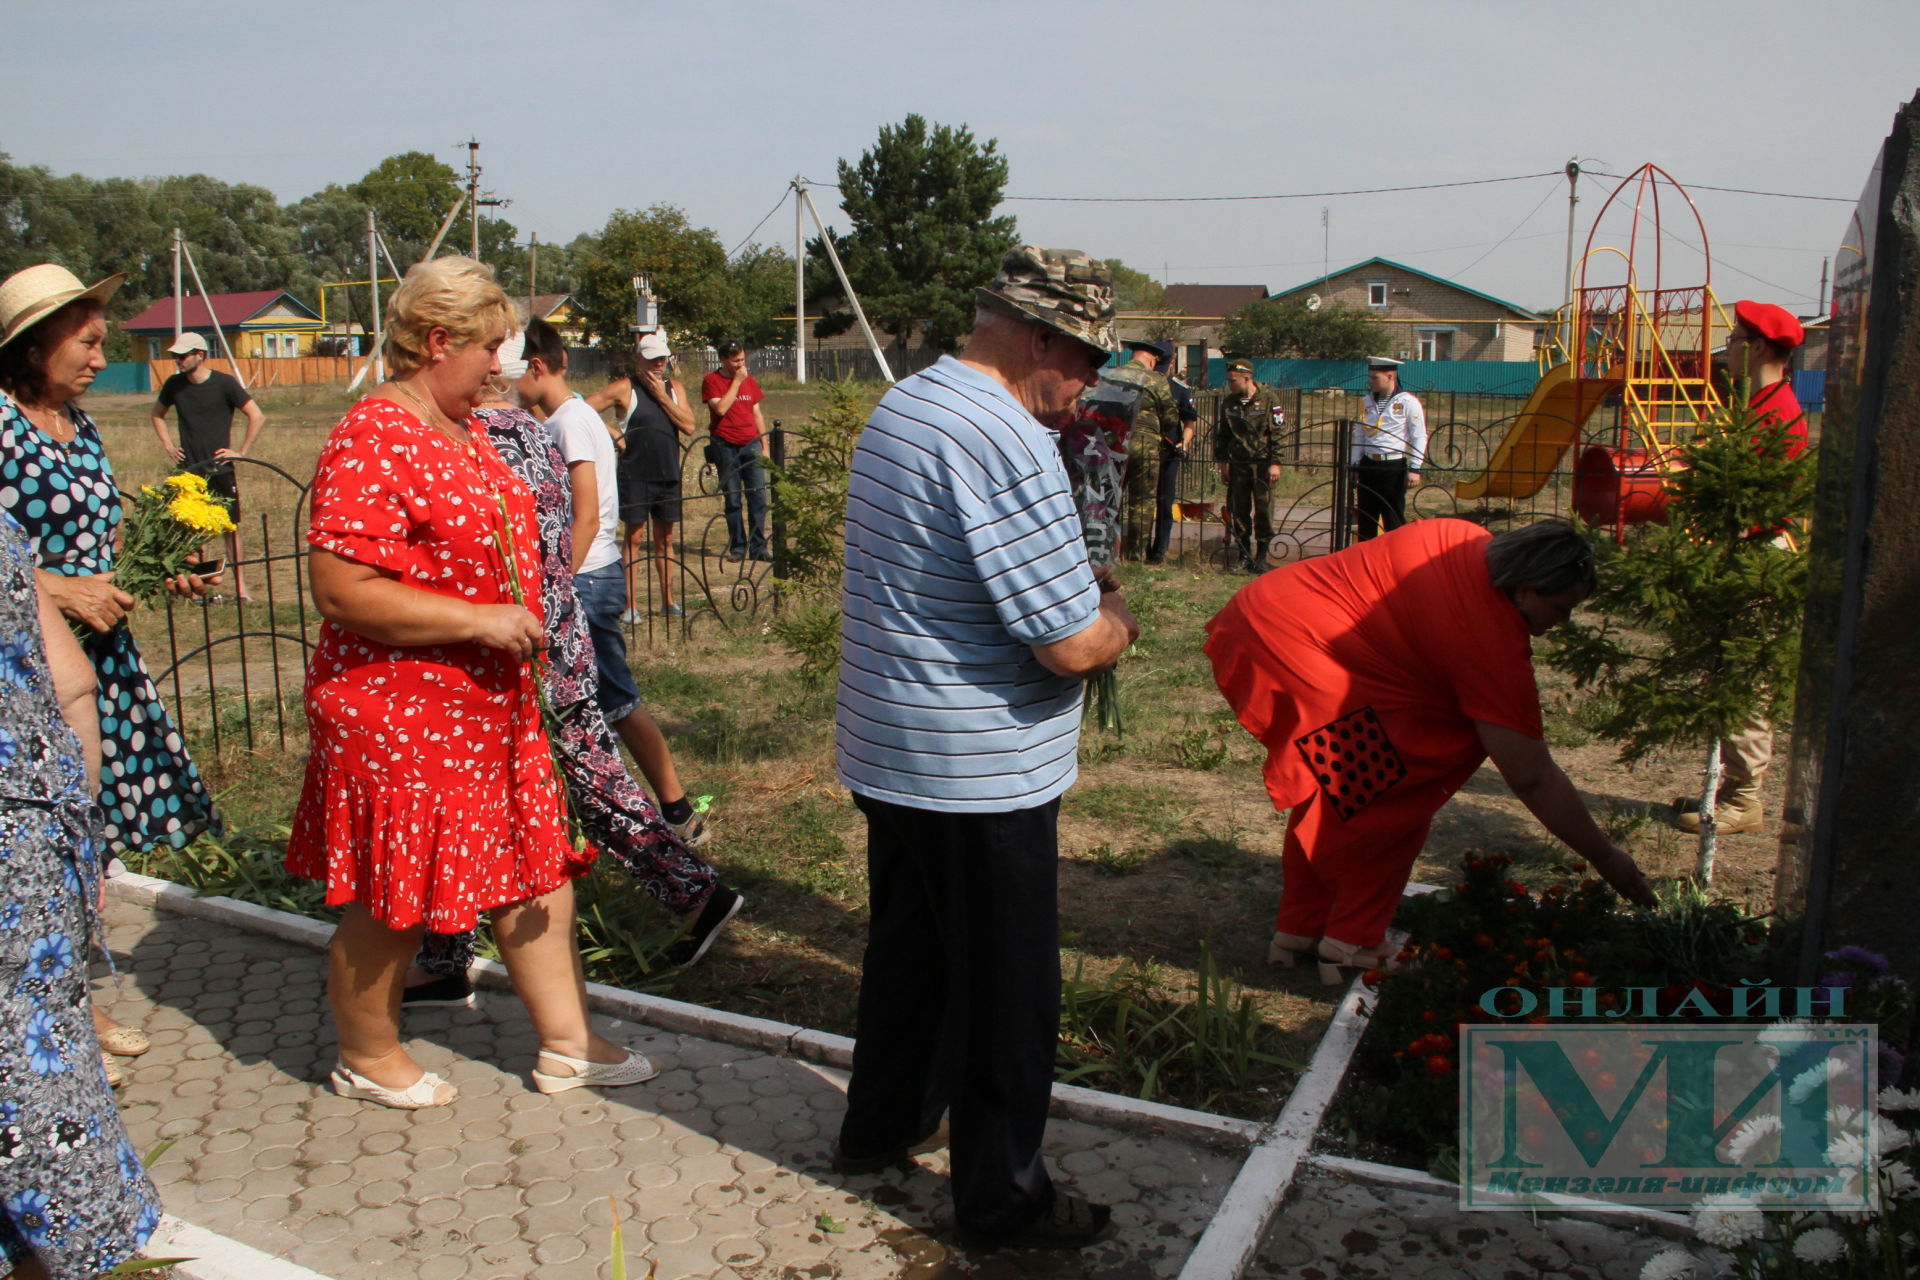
(756, 226)
(1551, 192)
(1739, 191)
(1290, 195)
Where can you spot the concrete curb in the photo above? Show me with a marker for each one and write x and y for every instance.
(1657, 1222)
(215, 1257)
(765, 1034)
(1231, 1240)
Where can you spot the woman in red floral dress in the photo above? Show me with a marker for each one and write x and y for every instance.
(430, 794)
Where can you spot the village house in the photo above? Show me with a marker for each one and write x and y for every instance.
(1425, 317)
(264, 323)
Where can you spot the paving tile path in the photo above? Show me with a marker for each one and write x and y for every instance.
(717, 1168)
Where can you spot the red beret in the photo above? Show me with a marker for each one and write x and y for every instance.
(1775, 324)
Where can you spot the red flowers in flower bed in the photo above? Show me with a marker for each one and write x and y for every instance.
(1568, 942)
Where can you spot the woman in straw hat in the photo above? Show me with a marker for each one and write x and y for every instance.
(56, 481)
(430, 794)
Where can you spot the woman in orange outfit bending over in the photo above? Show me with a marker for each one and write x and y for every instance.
(1379, 678)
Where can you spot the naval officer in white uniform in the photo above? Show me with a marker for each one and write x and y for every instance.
(1388, 443)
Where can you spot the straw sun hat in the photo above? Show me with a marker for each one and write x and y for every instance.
(30, 296)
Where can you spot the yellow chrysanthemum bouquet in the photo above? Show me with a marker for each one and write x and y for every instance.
(164, 528)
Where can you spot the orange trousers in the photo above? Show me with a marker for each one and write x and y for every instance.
(1343, 878)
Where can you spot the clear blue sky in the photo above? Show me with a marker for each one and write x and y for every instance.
(585, 106)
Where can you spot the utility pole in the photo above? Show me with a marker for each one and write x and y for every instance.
(1326, 245)
(1573, 183)
(1573, 198)
(799, 286)
(533, 268)
(178, 325)
(473, 192)
(1822, 311)
(373, 281)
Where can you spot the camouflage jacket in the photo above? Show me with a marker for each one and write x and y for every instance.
(1155, 419)
(1248, 430)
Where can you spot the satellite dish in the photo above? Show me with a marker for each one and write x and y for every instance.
(1313, 302)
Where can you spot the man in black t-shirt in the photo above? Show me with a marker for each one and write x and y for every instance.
(205, 399)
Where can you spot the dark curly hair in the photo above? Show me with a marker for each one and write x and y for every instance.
(23, 362)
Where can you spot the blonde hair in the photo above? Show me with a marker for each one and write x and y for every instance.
(453, 293)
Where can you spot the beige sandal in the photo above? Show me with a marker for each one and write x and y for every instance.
(1286, 949)
(633, 1069)
(115, 1076)
(128, 1042)
(1336, 955)
(428, 1091)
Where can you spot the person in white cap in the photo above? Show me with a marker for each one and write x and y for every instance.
(653, 415)
(205, 398)
(1388, 443)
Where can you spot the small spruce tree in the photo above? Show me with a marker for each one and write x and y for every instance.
(1700, 617)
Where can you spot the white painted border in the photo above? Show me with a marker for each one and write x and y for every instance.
(215, 1257)
(1654, 1221)
(1233, 1237)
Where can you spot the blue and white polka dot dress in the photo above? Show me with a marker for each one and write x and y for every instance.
(65, 497)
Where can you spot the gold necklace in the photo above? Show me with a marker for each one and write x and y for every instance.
(58, 414)
(434, 412)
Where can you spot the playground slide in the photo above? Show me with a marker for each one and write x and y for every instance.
(1541, 432)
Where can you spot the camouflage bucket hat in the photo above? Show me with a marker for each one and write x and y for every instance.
(1063, 289)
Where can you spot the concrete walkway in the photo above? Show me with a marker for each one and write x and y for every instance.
(717, 1168)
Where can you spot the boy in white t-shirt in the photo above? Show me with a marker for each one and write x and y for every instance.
(599, 577)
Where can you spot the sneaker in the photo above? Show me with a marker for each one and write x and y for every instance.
(672, 611)
(693, 833)
(631, 616)
(764, 556)
(1156, 557)
(455, 991)
(723, 904)
(733, 556)
(1069, 1223)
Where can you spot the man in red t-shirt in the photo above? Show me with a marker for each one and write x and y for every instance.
(733, 401)
(1759, 351)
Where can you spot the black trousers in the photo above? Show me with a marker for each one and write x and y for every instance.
(960, 1000)
(1380, 494)
(1168, 494)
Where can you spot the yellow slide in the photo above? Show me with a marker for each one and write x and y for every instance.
(1541, 432)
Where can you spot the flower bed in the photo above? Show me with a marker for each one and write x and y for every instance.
(1399, 1104)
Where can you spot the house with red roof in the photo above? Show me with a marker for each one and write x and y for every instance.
(269, 323)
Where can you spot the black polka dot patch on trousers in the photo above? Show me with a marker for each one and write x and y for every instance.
(1353, 759)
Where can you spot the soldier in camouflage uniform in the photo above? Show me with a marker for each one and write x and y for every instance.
(1246, 444)
(1139, 393)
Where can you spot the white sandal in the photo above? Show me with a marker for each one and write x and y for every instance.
(1336, 955)
(634, 1069)
(1286, 949)
(428, 1091)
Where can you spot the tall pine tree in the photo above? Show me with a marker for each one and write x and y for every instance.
(924, 233)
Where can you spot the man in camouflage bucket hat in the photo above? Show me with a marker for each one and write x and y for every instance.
(970, 621)
(1064, 289)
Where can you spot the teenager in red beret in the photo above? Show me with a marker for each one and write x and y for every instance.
(1759, 350)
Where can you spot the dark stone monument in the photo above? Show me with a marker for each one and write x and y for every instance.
(1849, 868)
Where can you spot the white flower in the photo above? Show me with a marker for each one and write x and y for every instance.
(1899, 1180)
(1849, 1151)
(1821, 1244)
(1790, 1031)
(1727, 1220)
(1892, 1099)
(1813, 1077)
(1668, 1264)
(1750, 1135)
(1891, 1136)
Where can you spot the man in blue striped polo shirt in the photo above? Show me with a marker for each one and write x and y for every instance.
(971, 619)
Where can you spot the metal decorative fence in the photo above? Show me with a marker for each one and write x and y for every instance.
(1313, 500)
(240, 665)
